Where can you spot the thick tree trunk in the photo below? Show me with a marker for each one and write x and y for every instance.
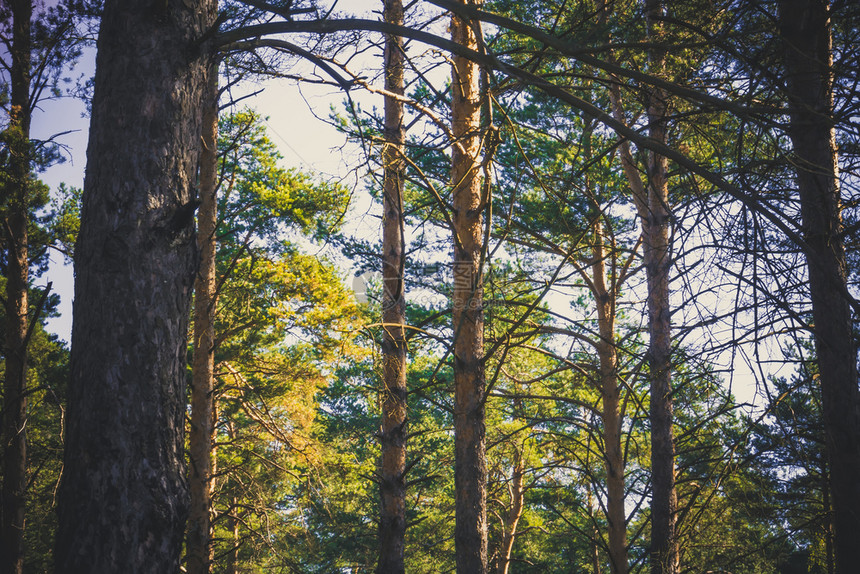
(201, 448)
(805, 27)
(392, 467)
(658, 264)
(611, 412)
(14, 494)
(123, 497)
(470, 472)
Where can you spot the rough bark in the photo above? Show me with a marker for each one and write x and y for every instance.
(14, 494)
(470, 472)
(658, 264)
(201, 446)
(805, 26)
(611, 411)
(123, 497)
(392, 467)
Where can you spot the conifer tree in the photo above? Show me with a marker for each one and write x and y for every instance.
(470, 466)
(393, 432)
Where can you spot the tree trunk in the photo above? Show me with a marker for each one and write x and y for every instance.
(123, 497)
(392, 468)
(233, 526)
(14, 494)
(595, 534)
(652, 205)
(805, 27)
(201, 448)
(611, 412)
(470, 472)
(658, 264)
(232, 515)
(515, 512)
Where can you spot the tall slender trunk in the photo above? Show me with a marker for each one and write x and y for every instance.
(652, 204)
(123, 497)
(805, 26)
(515, 512)
(232, 516)
(470, 472)
(14, 435)
(595, 534)
(233, 525)
(201, 447)
(392, 467)
(611, 411)
(658, 264)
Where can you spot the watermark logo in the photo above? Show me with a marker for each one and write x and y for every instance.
(363, 284)
(440, 280)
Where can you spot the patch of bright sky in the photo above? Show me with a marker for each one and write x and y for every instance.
(65, 120)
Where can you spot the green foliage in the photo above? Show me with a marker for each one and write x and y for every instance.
(284, 322)
(298, 402)
(262, 202)
(47, 376)
(788, 445)
(46, 383)
(65, 219)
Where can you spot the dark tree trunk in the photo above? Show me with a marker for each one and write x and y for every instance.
(123, 498)
(17, 269)
(658, 264)
(652, 205)
(392, 468)
(470, 472)
(201, 448)
(805, 27)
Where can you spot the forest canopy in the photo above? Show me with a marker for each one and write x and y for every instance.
(604, 319)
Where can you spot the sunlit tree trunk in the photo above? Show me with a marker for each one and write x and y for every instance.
(14, 431)
(805, 26)
(232, 554)
(392, 487)
(652, 206)
(510, 523)
(595, 534)
(201, 447)
(470, 472)
(123, 499)
(233, 525)
(611, 410)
